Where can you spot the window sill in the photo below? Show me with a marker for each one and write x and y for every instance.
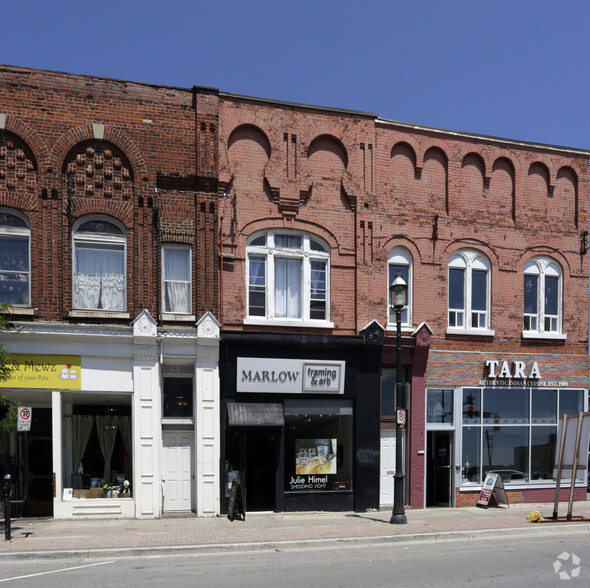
(405, 328)
(470, 332)
(15, 310)
(544, 336)
(289, 323)
(178, 421)
(172, 316)
(97, 314)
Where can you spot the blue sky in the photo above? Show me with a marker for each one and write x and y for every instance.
(509, 68)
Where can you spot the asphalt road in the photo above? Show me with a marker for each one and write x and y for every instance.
(535, 560)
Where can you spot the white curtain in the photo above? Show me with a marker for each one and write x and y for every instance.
(177, 279)
(99, 281)
(287, 288)
(81, 429)
(124, 424)
(106, 428)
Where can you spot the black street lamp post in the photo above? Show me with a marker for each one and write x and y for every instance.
(398, 290)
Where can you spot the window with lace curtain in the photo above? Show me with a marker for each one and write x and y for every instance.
(99, 246)
(176, 279)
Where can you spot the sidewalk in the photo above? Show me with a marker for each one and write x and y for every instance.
(48, 538)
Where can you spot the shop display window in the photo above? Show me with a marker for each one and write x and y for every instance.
(439, 407)
(318, 445)
(513, 431)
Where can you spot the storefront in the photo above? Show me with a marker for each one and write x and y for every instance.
(504, 419)
(110, 408)
(300, 420)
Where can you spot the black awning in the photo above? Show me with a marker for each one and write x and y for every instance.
(255, 414)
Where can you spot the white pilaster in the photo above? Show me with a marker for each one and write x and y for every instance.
(146, 418)
(56, 444)
(207, 430)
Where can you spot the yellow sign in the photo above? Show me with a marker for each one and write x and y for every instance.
(44, 371)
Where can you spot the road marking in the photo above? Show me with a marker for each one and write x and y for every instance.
(56, 571)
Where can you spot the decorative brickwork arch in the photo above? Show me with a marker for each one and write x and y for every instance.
(98, 169)
(19, 172)
(115, 141)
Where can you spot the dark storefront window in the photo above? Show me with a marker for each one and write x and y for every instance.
(513, 431)
(318, 445)
(178, 397)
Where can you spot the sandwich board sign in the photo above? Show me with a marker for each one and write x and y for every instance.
(25, 414)
(492, 483)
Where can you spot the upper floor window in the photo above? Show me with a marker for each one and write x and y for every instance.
(176, 278)
(469, 292)
(288, 277)
(15, 264)
(400, 260)
(542, 297)
(99, 264)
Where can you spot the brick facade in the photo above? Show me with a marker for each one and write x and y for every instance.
(76, 145)
(207, 168)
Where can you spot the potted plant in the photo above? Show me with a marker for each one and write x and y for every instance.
(109, 486)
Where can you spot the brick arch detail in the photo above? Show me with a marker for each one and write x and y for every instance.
(85, 133)
(25, 132)
(119, 211)
(295, 225)
(486, 160)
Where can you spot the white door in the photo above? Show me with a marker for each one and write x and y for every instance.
(387, 468)
(177, 471)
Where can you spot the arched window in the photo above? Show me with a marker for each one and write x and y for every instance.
(400, 260)
(98, 245)
(469, 292)
(288, 277)
(15, 259)
(542, 297)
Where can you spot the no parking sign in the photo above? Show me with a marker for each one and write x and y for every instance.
(25, 414)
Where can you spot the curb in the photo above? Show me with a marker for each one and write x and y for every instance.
(210, 548)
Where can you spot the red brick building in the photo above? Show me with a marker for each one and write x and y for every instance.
(491, 236)
(108, 236)
(207, 277)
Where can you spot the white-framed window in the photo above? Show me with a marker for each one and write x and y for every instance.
(287, 278)
(542, 298)
(15, 258)
(176, 279)
(469, 293)
(399, 260)
(98, 249)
